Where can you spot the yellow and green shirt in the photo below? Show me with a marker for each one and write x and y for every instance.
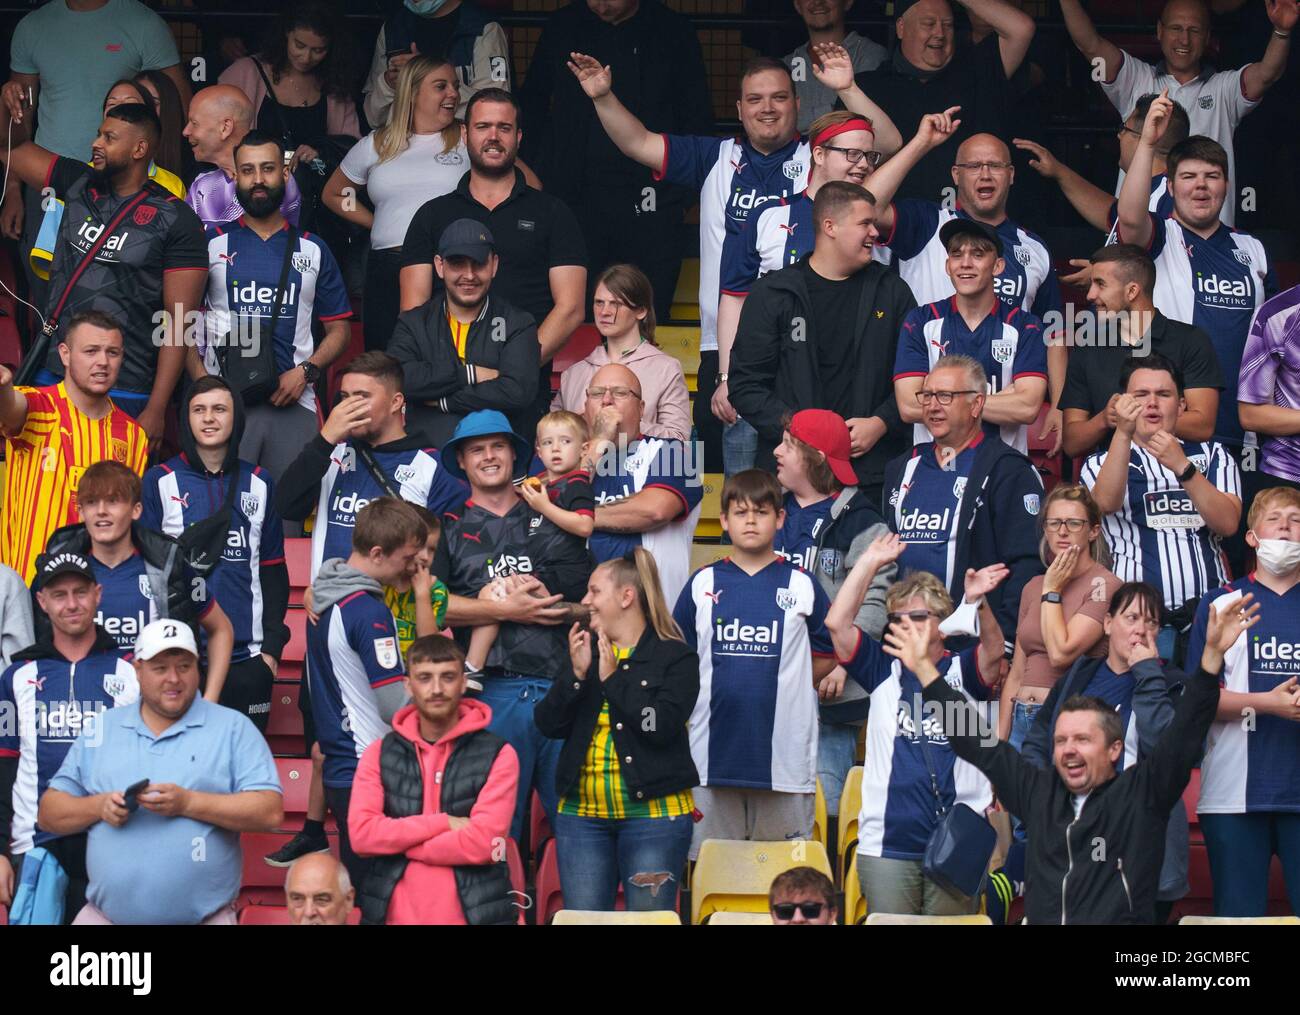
(601, 791)
(402, 606)
(459, 333)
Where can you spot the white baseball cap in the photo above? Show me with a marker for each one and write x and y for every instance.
(162, 635)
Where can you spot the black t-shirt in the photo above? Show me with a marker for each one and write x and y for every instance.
(533, 232)
(477, 547)
(974, 79)
(125, 279)
(834, 329)
(1093, 373)
(563, 561)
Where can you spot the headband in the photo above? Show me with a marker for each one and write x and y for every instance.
(856, 123)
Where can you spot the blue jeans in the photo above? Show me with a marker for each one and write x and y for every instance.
(512, 700)
(1240, 848)
(596, 854)
(1023, 716)
(739, 447)
(131, 402)
(837, 752)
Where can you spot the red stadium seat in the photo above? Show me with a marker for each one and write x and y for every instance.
(262, 884)
(518, 883)
(297, 556)
(284, 729)
(278, 916)
(295, 781)
(580, 344)
(295, 651)
(539, 828)
(548, 897)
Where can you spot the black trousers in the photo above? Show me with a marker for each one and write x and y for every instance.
(248, 690)
(382, 296)
(338, 801)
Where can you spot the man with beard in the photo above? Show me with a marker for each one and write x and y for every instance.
(465, 350)
(219, 117)
(125, 246)
(246, 259)
(542, 255)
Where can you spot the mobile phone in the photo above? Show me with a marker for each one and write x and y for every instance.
(132, 795)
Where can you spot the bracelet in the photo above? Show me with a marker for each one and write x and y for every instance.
(1281, 35)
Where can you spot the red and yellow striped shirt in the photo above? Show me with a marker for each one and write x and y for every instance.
(44, 463)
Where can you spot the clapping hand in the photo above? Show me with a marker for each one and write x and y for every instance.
(1224, 627)
(884, 550)
(832, 66)
(593, 77)
(980, 583)
(1168, 451)
(907, 642)
(1127, 411)
(580, 650)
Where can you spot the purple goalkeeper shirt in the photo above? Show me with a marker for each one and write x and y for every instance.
(1270, 375)
(212, 196)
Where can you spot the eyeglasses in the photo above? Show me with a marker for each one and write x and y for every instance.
(943, 397)
(1124, 128)
(855, 155)
(614, 305)
(915, 616)
(980, 167)
(785, 910)
(618, 393)
(1073, 524)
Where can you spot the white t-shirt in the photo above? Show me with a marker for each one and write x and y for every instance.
(1214, 103)
(399, 186)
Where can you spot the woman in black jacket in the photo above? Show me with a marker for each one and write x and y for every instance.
(625, 773)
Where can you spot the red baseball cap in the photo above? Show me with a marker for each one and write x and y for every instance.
(828, 433)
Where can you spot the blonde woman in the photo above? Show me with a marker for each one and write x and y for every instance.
(618, 817)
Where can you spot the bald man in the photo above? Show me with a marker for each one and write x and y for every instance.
(648, 489)
(1216, 101)
(318, 891)
(220, 116)
(982, 174)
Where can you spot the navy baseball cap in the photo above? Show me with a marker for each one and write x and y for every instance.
(467, 238)
(485, 423)
(969, 227)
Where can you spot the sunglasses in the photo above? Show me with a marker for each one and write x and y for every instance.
(915, 616)
(810, 910)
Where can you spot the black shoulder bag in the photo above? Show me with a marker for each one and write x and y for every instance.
(961, 845)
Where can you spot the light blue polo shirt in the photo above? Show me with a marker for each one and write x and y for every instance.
(154, 869)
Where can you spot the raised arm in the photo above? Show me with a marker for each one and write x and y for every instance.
(1135, 223)
(1090, 201)
(1015, 29)
(1259, 77)
(842, 615)
(934, 130)
(13, 406)
(1112, 478)
(833, 67)
(1084, 35)
(624, 129)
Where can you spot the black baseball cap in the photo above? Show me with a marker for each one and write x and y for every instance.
(53, 565)
(466, 238)
(968, 227)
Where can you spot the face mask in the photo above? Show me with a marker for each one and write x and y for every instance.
(424, 8)
(1278, 556)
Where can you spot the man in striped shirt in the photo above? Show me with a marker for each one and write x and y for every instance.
(53, 434)
(1167, 502)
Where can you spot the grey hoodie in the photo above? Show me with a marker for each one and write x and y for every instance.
(16, 631)
(335, 581)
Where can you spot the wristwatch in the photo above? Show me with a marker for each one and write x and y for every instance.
(1187, 473)
(310, 370)
(1051, 597)
(722, 378)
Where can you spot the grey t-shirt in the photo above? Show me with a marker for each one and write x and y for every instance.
(815, 99)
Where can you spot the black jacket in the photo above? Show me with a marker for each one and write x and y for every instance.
(773, 370)
(440, 388)
(298, 493)
(998, 523)
(1102, 866)
(651, 696)
(659, 74)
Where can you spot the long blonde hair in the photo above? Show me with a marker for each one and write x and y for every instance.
(394, 137)
(641, 573)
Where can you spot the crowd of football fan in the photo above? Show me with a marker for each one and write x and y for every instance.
(502, 597)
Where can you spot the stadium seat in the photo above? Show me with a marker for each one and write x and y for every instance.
(278, 916)
(846, 842)
(688, 284)
(708, 527)
(735, 875)
(539, 828)
(706, 553)
(820, 821)
(284, 728)
(262, 884)
(899, 919)
(295, 781)
(583, 918)
(584, 339)
(682, 342)
(547, 896)
(1218, 921)
(725, 919)
(1049, 466)
(518, 880)
(295, 650)
(297, 556)
(855, 906)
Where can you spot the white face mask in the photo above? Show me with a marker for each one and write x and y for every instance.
(1278, 556)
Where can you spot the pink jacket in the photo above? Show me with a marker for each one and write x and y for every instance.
(663, 388)
(427, 892)
(340, 114)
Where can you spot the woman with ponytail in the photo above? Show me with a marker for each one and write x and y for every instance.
(625, 773)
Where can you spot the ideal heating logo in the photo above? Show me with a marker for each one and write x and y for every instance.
(731, 637)
(1224, 292)
(1273, 655)
(922, 525)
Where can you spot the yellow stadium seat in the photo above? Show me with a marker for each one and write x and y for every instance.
(725, 919)
(1215, 921)
(733, 875)
(681, 341)
(850, 807)
(688, 283)
(708, 527)
(855, 906)
(895, 919)
(684, 311)
(583, 918)
(706, 553)
(820, 821)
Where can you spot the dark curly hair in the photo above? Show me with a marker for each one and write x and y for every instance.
(334, 72)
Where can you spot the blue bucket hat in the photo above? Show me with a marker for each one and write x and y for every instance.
(485, 423)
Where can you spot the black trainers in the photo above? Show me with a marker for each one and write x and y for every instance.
(300, 845)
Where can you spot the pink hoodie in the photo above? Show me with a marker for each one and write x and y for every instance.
(663, 389)
(427, 892)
